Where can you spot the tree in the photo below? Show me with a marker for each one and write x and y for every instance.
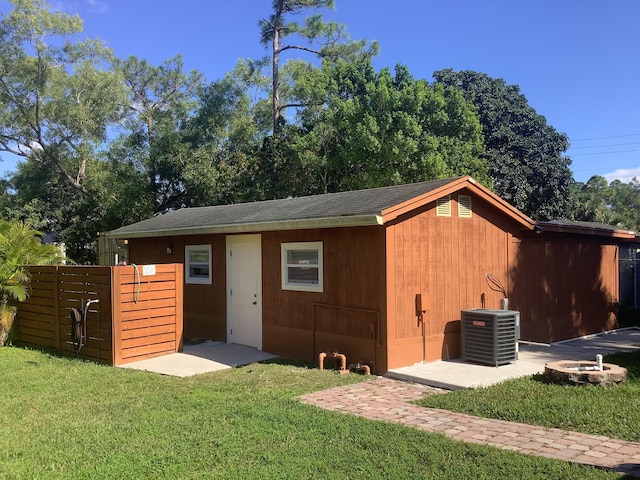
(56, 99)
(616, 204)
(327, 40)
(524, 153)
(375, 129)
(224, 135)
(626, 203)
(116, 196)
(19, 246)
(593, 201)
(160, 100)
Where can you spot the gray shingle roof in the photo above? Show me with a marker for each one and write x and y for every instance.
(342, 205)
(575, 223)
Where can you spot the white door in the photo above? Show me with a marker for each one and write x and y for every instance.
(244, 290)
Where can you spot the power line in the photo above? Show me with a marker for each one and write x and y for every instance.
(602, 146)
(604, 138)
(602, 153)
(603, 169)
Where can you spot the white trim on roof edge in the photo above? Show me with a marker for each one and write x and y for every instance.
(329, 222)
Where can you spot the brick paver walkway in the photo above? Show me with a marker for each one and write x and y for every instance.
(386, 399)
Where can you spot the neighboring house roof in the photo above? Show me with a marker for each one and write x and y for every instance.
(593, 228)
(374, 206)
(50, 237)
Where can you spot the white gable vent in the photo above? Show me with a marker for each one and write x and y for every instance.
(443, 206)
(464, 206)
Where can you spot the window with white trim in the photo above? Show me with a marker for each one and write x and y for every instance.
(302, 268)
(197, 264)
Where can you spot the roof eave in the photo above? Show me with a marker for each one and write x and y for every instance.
(304, 224)
(584, 230)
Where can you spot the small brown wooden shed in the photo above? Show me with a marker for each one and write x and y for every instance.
(351, 271)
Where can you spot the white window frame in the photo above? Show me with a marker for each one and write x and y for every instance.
(302, 287)
(187, 264)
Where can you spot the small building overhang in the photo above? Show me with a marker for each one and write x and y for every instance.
(586, 228)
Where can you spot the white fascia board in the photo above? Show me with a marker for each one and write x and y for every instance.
(329, 222)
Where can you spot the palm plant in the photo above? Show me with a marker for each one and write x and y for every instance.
(20, 245)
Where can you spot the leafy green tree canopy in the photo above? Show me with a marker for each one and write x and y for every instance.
(159, 100)
(57, 96)
(361, 129)
(616, 204)
(524, 153)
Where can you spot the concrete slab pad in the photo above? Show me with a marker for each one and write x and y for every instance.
(458, 374)
(201, 358)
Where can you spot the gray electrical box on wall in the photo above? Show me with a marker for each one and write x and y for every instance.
(490, 336)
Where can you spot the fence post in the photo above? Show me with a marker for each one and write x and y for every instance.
(179, 275)
(116, 315)
(56, 306)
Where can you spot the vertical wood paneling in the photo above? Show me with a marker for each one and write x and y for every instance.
(354, 280)
(564, 287)
(205, 306)
(445, 258)
(179, 305)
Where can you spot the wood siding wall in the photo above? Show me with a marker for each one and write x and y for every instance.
(136, 317)
(564, 288)
(348, 316)
(445, 260)
(205, 306)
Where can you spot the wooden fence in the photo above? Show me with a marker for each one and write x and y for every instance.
(138, 313)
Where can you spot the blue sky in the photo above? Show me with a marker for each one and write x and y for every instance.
(576, 61)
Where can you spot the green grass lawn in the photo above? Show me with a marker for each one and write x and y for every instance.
(61, 418)
(610, 411)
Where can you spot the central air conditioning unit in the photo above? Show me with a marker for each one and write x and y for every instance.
(490, 336)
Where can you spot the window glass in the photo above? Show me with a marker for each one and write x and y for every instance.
(302, 266)
(198, 264)
(302, 257)
(308, 276)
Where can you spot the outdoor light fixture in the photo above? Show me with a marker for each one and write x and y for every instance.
(538, 229)
(169, 249)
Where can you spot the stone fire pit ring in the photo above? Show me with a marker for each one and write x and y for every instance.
(571, 372)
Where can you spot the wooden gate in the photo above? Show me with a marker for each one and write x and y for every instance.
(138, 313)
